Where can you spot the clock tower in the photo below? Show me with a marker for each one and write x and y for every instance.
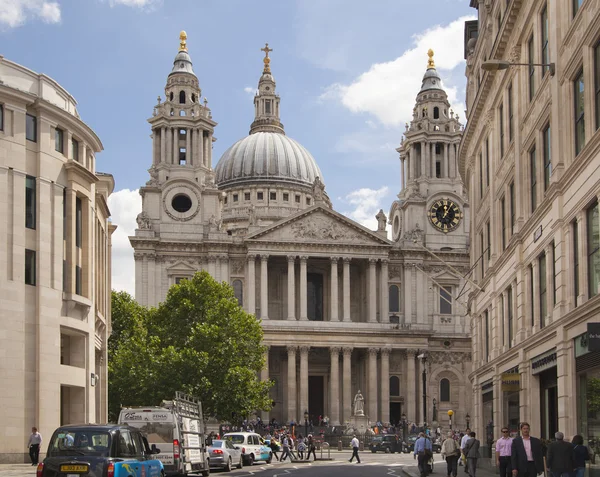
(432, 205)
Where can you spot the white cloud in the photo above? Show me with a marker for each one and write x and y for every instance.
(366, 203)
(250, 90)
(133, 3)
(14, 13)
(388, 90)
(124, 206)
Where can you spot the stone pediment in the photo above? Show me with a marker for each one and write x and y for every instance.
(181, 266)
(319, 225)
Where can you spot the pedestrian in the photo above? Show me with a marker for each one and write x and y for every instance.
(451, 452)
(311, 447)
(580, 455)
(526, 457)
(463, 440)
(423, 452)
(34, 443)
(503, 450)
(354, 444)
(301, 446)
(559, 457)
(274, 447)
(471, 450)
(285, 443)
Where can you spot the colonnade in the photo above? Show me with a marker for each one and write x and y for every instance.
(426, 162)
(198, 146)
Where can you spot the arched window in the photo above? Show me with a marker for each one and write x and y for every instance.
(444, 390)
(238, 291)
(182, 113)
(394, 386)
(171, 96)
(436, 113)
(193, 98)
(394, 299)
(182, 97)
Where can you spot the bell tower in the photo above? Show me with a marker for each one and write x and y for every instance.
(266, 101)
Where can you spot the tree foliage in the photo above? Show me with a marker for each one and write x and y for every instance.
(199, 340)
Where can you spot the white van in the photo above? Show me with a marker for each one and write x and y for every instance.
(176, 428)
(251, 447)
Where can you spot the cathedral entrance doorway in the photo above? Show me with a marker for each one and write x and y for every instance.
(395, 412)
(316, 393)
(314, 299)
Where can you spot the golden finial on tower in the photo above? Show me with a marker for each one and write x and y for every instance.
(266, 59)
(182, 41)
(430, 63)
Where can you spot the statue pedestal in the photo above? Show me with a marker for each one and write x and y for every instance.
(360, 423)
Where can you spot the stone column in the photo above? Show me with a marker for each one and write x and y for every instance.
(200, 148)
(303, 292)
(334, 393)
(291, 387)
(385, 385)
(291, 288)
(205, 147)
(582, 249)
(536, 295)
(334, 290)
(264, 288)
(385, 292)
(303, 379)
(209, 152)
(372, 290)
(347, 384)
(346, 286)
(445, 168)
(175, 146)
(163, 144)
(217, 274)
(504, 324)
(251, 285)
(188, 146)
(372, 391)
(567, 409)
(407, 302)
(169, 146)
(409, 397)
(264, 376)
(403, 169)
(212, 261)
(549, 283)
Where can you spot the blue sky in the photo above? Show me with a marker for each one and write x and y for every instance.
(347, 72)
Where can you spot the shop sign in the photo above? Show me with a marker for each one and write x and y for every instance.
(593, 336)
(511, 382)
(543, 362)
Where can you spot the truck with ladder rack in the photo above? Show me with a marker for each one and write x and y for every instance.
(177, 428)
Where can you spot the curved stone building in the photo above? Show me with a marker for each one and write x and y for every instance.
(54, 262)
(343, 308)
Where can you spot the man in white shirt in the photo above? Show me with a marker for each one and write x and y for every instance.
(35, 440)
(463, 443)
(355, 445)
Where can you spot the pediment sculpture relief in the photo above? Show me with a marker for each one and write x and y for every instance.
(322, 228)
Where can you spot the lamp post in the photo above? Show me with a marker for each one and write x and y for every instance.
(423, 359)
(305, 423)
(450, 414)
(495, 65)
(404, 423)
(468, 418)
(434, 409)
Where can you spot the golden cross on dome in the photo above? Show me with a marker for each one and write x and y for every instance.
(266, 59)
(182, 41)
(430, 63)
(266, 49)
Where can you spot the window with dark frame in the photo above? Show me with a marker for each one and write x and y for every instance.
(544, 37)
(487, 334)
(236, 197)
(530, 60)
(487, 161)
(509, 309)
(78, 222)
(286, 197)
(308, 201)
(579, 104)
(394, 386)
(30, 267)
(1, 117)
(445, 300)
(575, 232)
(543, 289)
(30, 202)
(547, 151)
(267, 106)
(480, 175)
(503, 221)
(297, 199)
(78, 280)
(510, 113)
(489, 241)
(394, 299)
(481, 246)
(74, 150)
(259, 195)
(272, 195)
(593, 245)
(246, 195)
(59, 136)
(597, 83)
(554, 271)
(31, 128)
(532, 296)
(444, 390)
(576, 6)
(501, 113)
(238, 291)
(511, 190)
(533, 178)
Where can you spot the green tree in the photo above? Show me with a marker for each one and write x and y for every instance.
(199, 340)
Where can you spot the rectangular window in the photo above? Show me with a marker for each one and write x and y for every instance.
(554, 270)
(489, 244)
(543, 290)
(532, 297)
(297, 199)
(446, 301)
(487, 161)
(31, 128)
(487, 335)
(30, 267)
(259, 195)
(182, 156)
(501, 112)
(576, 6)
(236, 197)
(511, 189)
(579, 113)
(593, 243)
(438, 168)
(509, 310)
(74, 150)
(246, 195)
(59, 136)
(510, 113)
(545, 51)
(530, 56)
(480, 174)
(267, 106)
(482, 247)
(30, 202)
(575, 231)
(78, 280)
(533, 178)
(597, 83)
(286, 197)
(502, 315)
(78, 222)
(503, 221)
(308, 201)
(272, 195)
(547, 157)
(1, 117)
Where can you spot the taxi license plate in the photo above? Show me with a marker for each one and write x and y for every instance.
(74, 468)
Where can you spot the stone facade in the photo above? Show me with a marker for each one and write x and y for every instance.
(529, 155)
(343, 308)
(54, 262)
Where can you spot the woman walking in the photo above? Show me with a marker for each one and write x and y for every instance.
(451, 453)
(580, 455)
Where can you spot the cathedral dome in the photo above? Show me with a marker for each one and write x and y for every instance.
(266, 156)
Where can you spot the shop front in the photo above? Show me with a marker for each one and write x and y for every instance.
(543, 367)
(510, 387)
(487, 398)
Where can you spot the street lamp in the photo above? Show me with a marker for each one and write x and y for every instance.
(423, 359)
(434, 409)
(468, 418)
(495, 65)
(450, 414)
(305, 423)
(404, 424)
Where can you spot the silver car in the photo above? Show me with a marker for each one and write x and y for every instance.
(222, 454)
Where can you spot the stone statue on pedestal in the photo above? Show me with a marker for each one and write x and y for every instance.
(359, 404)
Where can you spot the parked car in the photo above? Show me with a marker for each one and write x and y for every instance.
(251, 447)
(99, 450)
(409, 444)
(223, 454)
(387, 443)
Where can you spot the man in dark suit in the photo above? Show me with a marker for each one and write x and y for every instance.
(471, 450)
(527, 459)
(560, 457)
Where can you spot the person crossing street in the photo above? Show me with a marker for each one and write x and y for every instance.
(355, 445)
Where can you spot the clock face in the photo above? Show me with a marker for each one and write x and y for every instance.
(444, 215)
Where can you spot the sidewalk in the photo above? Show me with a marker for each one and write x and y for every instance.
(439, 468)
(17, 470)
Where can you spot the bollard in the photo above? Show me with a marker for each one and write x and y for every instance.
(340, 445)
(361, 446)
